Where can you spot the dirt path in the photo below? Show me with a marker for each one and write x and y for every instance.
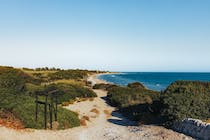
(101, 125)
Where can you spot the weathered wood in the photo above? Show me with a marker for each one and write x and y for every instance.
(41, 102)
(45, 113)
(50, 109)
(52, 104)
(56, 108)
(36, 115)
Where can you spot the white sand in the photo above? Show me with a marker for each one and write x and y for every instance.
(100, 127)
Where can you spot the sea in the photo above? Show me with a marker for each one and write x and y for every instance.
(158, 81)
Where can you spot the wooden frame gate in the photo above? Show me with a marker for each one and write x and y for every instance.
(51, 101)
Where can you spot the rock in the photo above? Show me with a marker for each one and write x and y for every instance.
(193, 127)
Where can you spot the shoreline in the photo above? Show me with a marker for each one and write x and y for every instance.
(94, 79)
(105, 124)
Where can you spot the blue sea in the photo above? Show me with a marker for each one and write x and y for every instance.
(153, 80)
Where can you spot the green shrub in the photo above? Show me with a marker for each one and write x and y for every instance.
(68, 74)
(186, 99)
(136, 85)
(73, 91)
(125, 96)
(148, 113)
(23, 107)
(66, 92)
(103, 86)
(15, 78)
(136, 102)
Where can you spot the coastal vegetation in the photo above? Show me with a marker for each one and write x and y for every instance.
(103, 86)
(185, 99)
(134, 101)
(18, 86)
(182, 99)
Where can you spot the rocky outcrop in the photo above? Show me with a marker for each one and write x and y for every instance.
(193, 127)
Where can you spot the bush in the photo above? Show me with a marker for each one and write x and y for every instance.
(148, 113)
(67, 92)
(68, 74)
(71, 92)
(23, 107)
(136, 102)
(15, 79)
(125, 96)
(186, 99)
(103, 86)
(136, 85)
(17, 90)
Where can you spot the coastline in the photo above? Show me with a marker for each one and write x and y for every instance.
(105, 125)
(94, 79)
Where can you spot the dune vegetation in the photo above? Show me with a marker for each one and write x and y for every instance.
(185, 99)
(182, 99)
(18, 86)
(134, 101)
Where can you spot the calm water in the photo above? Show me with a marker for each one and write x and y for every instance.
(153, 80)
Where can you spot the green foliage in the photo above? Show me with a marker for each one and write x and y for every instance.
(195, 87)
(10, 78)
(68, 92)
(125, 96)
(186, 99)
(14, 78)
(136, 85)
(147, 113)
(182, 99)
(17, 90)
(135, 102)
(68, 74)
(23, 107)
(103, 86)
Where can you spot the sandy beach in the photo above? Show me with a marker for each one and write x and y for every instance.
(103, 123)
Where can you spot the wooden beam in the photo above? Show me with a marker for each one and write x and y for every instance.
(45, 113)
(36, 112)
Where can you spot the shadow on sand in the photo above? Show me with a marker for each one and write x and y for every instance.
(117, 118)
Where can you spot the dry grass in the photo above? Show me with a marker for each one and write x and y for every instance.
(65, 103)
(71, 82)
(83, 99)
(7, 119)
(71, 101)
(68, 103)
(93, 116)
(91, 99)
(207, 121)
(43, 72)
(86, 118)
(83, 122)
(108, 113)
(94, 110)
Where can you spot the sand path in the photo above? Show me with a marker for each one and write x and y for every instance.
(101, 126)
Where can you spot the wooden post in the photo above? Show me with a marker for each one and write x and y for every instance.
(36, 113)
(45, 113)
(50, 109)
(56, 107)
(52, 103)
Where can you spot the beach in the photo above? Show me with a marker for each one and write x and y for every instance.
(103, 123)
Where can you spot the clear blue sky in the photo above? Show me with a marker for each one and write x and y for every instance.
(115, 35)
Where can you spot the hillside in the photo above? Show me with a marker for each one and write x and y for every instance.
(18, 86)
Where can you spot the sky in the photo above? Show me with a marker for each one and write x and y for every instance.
(114, 35)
